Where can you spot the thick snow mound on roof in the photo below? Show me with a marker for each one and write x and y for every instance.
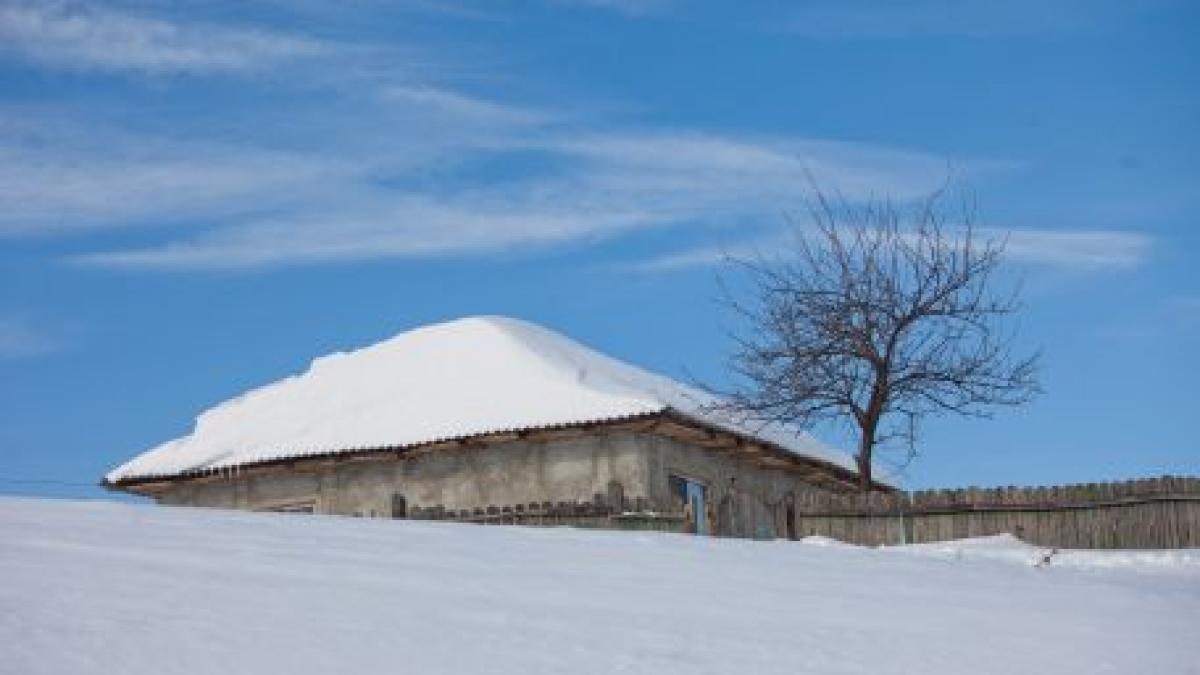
(456, 379)
(109, 588)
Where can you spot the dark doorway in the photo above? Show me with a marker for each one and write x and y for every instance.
(690, 494)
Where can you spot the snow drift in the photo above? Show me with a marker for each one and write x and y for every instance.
(451, 380)
(113, 588)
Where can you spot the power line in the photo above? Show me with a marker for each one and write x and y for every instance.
(44, 481)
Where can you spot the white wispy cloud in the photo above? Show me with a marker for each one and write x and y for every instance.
(1072, 249)
(472, 108)
(721, 177)
(1186, 304)
(698, 257)
(90, 36)
(412, 171)
(58, 179)
(836, 19)
(1078, 248)
(748, 167)
(627, 7)
(399, 167)
(594, 185)
(19, 339)
(411, 226)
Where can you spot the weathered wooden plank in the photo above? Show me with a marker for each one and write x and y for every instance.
(1161, 512)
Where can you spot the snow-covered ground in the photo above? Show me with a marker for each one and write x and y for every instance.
(95, 587)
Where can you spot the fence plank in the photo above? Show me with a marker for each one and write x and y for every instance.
(1162, 512)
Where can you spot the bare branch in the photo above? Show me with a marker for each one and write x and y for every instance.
(880, 315)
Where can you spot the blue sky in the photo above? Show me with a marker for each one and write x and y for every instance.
(197, 198)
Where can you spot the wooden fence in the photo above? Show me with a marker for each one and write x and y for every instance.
(1151, 513)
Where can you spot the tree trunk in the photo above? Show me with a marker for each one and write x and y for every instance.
(868, 424)
(863, 459)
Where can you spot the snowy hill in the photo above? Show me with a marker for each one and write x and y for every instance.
(456, 379)
(93, 587)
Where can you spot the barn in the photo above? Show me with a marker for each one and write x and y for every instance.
(491, 419)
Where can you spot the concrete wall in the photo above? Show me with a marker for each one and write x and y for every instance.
(260, 492)
(744, 500)
(510, 473)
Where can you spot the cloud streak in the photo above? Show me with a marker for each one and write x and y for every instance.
(444, 101)
(56, 180)
(1084, 249)
(18, 339)
(633, 8)
(86, 36)
(578, 186)
(1069, 249)
(855, 19)
(402, 168)
(408, 227)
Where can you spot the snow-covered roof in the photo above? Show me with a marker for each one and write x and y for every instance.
(463, 378)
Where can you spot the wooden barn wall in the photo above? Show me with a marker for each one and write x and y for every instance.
(1152, 513)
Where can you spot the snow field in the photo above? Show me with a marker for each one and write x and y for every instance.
(97, 587)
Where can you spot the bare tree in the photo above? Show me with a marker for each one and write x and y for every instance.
(880, 315)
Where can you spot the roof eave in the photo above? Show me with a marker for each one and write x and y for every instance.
(149, 484)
